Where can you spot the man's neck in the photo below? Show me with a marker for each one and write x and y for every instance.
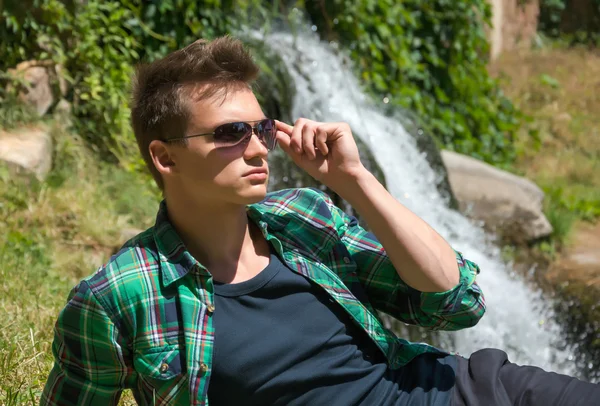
(220, 237)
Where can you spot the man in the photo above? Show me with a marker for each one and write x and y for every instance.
(238, 296)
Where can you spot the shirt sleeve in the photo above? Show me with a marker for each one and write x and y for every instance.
(89, 366)
(455, 309)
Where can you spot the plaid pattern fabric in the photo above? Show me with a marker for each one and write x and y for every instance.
(143, 320)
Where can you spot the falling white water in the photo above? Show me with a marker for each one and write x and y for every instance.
(517, 318)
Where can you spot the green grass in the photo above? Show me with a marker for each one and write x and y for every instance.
(58, 231)
(562, 221)
(559, 148)
(55, 233)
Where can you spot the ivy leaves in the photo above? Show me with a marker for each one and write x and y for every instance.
(429, 57)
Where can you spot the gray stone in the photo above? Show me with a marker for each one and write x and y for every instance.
(507, 204)
(40, 84)
(27, 149)
(37, 92)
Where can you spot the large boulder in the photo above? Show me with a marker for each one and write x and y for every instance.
(27, 149)
(509, 205)
(40, 84)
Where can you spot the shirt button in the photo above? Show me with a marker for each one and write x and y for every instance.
(210, 308)
(346, 260)
(164, 367)
(203, 368)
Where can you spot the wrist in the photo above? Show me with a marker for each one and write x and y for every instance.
(354, 184)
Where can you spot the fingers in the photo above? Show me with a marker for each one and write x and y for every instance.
(308, 141)
(305, 137)
(321, 140)
(296, 136)
(286, 128)
(284, 140)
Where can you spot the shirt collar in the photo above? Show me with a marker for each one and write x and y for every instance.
(176, 261)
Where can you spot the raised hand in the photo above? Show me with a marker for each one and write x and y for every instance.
(326, 151)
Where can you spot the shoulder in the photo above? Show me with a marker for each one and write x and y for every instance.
(127, 276)
(303, 218)
(305, 202)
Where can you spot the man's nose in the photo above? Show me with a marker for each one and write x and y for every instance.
(256, 146)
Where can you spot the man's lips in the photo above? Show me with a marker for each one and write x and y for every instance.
(257, 171)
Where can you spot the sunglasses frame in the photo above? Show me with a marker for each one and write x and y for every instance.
(253, 125)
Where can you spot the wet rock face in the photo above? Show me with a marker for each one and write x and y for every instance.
(427, 146)
(576, 279)
(274, 88)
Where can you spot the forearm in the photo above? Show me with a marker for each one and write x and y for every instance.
(422, 258)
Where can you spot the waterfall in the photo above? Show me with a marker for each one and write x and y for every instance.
(518, 319)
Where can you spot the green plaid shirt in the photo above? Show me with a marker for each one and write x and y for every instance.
(143, 320)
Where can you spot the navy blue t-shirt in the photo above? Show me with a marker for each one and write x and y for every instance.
(281, 340)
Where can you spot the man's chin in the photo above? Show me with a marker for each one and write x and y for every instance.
(253, 194)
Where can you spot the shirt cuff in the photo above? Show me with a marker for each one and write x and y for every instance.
(463, 305)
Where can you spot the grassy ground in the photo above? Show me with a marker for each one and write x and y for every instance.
(560, 148)
(57, 232)
(60, 231)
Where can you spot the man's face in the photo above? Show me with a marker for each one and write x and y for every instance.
(217, 175)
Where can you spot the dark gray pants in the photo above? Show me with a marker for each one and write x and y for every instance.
(488, 378)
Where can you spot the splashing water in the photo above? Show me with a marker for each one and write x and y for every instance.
(517, 318)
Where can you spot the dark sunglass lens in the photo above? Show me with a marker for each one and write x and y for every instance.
(267, 131)
(230, 134)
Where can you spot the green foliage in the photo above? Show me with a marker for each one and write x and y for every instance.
(430, 57)
(99, 42)
(574, 22)
(427, 56)
(550, 16)
(54, 233)
(560, 217)
(548, 80)
(582, 202)
(96, 48)
(14, 113)
(171, 24)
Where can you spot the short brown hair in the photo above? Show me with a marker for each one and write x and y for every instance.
(163, 89)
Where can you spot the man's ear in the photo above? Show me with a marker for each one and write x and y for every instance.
(163, 157)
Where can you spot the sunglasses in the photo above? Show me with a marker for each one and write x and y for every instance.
(239, 133)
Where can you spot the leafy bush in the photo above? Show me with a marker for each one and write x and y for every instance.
(427, 56)
(574, 22)
(550, 16)
(99, 42)
(94, 44)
